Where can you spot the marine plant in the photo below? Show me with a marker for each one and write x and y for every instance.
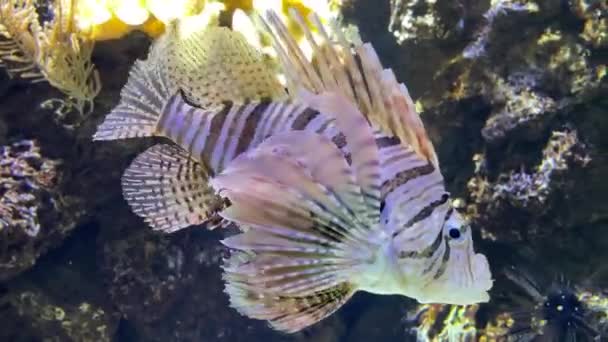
(35, 49)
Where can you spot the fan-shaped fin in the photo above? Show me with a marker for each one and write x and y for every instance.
(214, 65)
(169, 189)
(142, 101)
(303, 239)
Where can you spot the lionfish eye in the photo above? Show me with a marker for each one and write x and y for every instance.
(454, 233)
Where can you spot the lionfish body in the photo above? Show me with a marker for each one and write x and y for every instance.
(334, 185)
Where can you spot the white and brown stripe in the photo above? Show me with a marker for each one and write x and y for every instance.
(413, 195)
(411, 187)
(215, 137)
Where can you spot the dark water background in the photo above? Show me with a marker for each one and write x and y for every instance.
(97, 273)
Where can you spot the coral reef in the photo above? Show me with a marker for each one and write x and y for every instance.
(24, 171)
(523, 107)
(521, 190)
(512, 93)
(169, 287)
(414, 20)
(477, 47)
(556, 312)
(32, 217)
(595, 15)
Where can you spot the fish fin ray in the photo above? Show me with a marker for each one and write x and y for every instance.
(141, 105)
(361, 143)
(215, 64)
(310, 177)
(356, 74)
(314, 156)
(285, 312)
(393, 108)
(304, 239)
(258, 200)
(170, 190)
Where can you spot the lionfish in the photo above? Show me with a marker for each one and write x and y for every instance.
(332, 180)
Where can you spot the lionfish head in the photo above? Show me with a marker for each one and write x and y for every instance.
(464, 277)
(447, 271)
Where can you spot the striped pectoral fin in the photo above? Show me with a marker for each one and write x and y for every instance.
(142, 101)
(305, 238)
(361, 142)
(294, 165)
(313, 153)
(285, 312)
(261, 202)
(169, 189)
(304, 160)
(297, 262)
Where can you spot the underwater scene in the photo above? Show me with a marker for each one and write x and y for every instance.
(303, 170)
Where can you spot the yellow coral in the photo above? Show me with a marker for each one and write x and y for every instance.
(51, 50)
(111, 19)
(438, 322)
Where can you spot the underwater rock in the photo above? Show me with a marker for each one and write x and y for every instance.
(523, 107)
(595, 15)
(477, 47)
(169, 287)
(415, 20)
(52, 321)
(34, 215)
(523, 191)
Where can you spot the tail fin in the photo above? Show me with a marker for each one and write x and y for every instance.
(142, 101)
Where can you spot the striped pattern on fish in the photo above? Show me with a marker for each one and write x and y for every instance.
(417, 245)
(216, 138)
(300, 245)
(337, 189)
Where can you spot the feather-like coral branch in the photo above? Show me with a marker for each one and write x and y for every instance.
(52, 51)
